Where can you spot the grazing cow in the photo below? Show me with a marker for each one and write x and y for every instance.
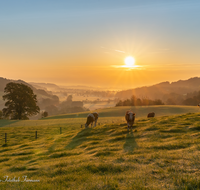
(198, 105)
(152, 114)
(130, 118)
(92, 117)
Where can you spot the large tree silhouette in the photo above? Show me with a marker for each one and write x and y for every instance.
(21, 101)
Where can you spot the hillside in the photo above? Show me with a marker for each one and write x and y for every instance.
(159, 153)
(46, 86)
(41, 94)
(141, 111)
(163, 90)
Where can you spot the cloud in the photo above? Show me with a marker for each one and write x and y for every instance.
(120, 51)
(117, 50)
(127, 67)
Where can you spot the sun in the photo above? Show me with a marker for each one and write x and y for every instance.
(129, 61)
(129, 64)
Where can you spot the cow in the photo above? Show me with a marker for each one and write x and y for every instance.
(92, 117)
(130, 118)
(152, 114)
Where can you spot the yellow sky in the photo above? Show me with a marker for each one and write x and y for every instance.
(101, 74)
(103, 67)
(63, 43)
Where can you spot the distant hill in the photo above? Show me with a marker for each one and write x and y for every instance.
(54, 87)
(4, 81)
(162, 90)
(41, 93)
(174, 93)
(45, 86)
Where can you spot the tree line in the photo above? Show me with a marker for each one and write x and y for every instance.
(190, 99)
(133, 101)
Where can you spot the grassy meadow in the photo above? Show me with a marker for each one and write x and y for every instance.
(141, 111)
(159, 153)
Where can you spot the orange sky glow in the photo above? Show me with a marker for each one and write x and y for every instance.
(68, 44)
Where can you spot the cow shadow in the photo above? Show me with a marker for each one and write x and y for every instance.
(81, 137)
(130, 143)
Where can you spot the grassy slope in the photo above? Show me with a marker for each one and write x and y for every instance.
(159, 153)
(141, 111)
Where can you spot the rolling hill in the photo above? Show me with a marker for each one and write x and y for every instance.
(141, 111)
(41, 94)
(162, 90)
(159, 153)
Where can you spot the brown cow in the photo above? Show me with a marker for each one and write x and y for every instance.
(92, 117)
(152, 114)
(130, 118)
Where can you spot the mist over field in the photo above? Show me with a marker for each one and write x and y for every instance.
(57, 99)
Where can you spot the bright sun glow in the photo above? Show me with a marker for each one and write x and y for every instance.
(129, 61)
(129, 64)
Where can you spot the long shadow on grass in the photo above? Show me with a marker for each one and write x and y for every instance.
(4, 123)
(79, 138)
(130, 143)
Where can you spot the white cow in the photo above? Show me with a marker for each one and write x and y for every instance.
(92, 117)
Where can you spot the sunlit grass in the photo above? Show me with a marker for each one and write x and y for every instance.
(159, 153)
(141, 111)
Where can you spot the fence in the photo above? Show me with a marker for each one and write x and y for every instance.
(36, 136)
(26, 133)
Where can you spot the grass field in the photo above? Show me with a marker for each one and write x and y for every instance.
(159, 153)
(141, 111)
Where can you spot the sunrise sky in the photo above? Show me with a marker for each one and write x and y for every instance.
(85, 42)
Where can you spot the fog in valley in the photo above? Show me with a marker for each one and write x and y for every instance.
(56, 99)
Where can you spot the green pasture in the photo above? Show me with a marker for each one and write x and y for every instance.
(141, 111)
(158, 153)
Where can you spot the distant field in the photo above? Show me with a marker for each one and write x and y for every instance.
(91, 98)
(102, 105)
(159, 153)
(141, 111)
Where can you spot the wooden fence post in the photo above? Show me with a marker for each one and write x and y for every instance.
(35, 134)
(60, 130)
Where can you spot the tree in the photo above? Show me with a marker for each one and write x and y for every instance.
(133, 101)
(69, 98)
(120, 103)
(1, 114)
(51, 109)
(21, 101)
(45, 114)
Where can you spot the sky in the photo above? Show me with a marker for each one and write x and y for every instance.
(85, 42)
